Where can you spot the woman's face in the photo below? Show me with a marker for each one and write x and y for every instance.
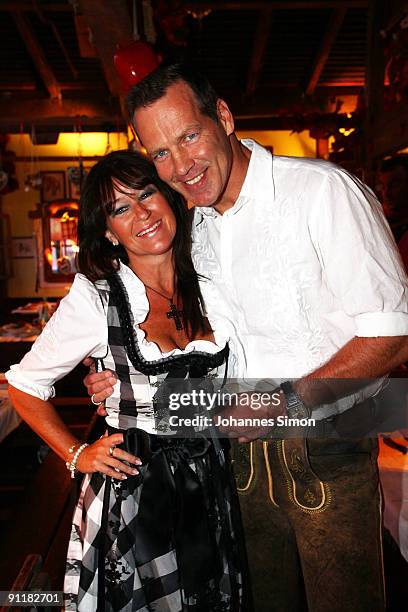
(141, 221)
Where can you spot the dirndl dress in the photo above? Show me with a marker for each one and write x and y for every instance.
(169, 539)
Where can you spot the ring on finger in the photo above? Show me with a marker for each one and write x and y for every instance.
(111, 449)
(93, 400)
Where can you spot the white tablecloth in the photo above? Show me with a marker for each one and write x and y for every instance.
(394, 479)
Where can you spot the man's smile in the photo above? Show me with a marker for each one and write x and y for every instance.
(196, 179)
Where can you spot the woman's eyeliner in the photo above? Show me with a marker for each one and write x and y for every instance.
(146, 194)
(121, 208)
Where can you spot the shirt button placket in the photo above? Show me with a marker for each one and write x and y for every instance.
(226, 251)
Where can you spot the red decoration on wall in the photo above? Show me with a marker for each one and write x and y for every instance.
(134, 61)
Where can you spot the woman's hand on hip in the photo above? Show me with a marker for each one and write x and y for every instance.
(105, 456)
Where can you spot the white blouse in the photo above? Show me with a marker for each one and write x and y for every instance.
(79, 329)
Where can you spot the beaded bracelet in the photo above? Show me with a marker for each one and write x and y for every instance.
(71, 465)
(72, 448)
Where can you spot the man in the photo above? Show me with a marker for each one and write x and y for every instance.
(393, 177)
(305, 265)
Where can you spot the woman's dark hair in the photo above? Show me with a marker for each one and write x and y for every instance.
(99, 259)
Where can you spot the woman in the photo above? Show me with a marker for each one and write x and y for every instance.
(156, 526)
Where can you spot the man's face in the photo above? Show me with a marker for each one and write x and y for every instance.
(394, 184)
(191, 152)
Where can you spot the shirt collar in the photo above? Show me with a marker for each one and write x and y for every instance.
(258, 180)
(259, 177)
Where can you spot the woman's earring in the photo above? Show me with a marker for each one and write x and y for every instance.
(111, 239)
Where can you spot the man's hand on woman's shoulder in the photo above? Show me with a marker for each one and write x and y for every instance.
(99, 385)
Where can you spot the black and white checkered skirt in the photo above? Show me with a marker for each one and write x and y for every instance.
(170, 539)
(167, 540)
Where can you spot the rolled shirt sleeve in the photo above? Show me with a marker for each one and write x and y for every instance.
(77, 329)
(359, 257)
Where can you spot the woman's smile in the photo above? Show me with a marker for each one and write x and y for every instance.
(150, 230)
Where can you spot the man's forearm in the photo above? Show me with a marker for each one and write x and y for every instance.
(351, 367)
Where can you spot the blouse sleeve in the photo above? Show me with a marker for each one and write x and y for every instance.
(77, 329)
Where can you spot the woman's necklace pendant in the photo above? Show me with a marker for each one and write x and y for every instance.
(176, 315)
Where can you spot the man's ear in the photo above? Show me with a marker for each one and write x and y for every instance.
(225, 116)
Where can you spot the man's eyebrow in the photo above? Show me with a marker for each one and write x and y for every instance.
(179, 138)
(193, 126)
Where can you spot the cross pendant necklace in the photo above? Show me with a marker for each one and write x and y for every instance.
(174, 313)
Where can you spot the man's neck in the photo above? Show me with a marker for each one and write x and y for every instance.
(241, 156)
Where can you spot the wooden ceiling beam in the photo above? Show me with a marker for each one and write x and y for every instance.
(263, 30)
(18, 86)
(341, 86)
(67, 86)
(274, 5)
(345, 84)
(103, 124)
(37, 55)
(290, 122)
(262, 114)
(329, 37)
(30, 6)
(221, 6)
(90, 111)
(110, 24)
(274, 102)
(103, 115)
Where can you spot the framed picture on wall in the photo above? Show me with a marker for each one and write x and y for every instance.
(74, 182)
(74, 190)
(53, 185)
(23, 247)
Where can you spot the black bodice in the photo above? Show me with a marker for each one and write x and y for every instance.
(194, 364)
